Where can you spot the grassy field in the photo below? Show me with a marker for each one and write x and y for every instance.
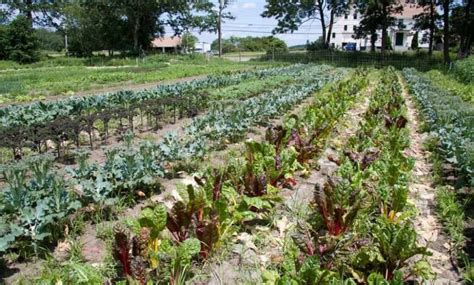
(67, 76)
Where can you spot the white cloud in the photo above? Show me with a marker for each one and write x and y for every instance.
(249, 5)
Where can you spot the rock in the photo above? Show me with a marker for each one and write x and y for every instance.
(61, 252)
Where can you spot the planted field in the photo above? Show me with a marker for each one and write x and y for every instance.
(66, 77)
(303, 174)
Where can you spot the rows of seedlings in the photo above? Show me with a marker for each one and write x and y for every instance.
(227, 199)
(39, 125)
(38, 202)
(359, 229)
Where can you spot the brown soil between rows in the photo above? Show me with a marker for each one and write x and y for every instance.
(422, 196)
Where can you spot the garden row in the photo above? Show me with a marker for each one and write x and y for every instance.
(451, 120)
(359, 229)
(33, 126)
(167, 242)
(37, 201)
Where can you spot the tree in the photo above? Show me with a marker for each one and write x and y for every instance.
(462, 19)
(267, 44)
(128, 26)
(3, 42)
(292, 14)
(378, 15)
(21, 41)
(368, 26)
(38, 12)
(188, 41)
(49, 40)
(446, 6)
(428, 20)
(414, 42)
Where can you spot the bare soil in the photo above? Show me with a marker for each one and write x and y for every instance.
(422, 196)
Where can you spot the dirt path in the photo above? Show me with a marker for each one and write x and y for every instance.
(263, 245)
(422, 195)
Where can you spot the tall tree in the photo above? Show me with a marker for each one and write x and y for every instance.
(188, 41)
(428, 20)
(21, 41)
(378, 15)
(446, 6)
(292, 14)
(129, 25)
(369, 24)
(462, 22)
(39, 12)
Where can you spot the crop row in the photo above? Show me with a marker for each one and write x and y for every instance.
(112, 110)
(359, 229)
(225, 199)
(37, 200)
(39, 112)
(451, 120)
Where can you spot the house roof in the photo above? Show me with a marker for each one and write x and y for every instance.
(166, 42)
(409, 10)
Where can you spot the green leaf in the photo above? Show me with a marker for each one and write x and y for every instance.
(187, 250)
(153, 218)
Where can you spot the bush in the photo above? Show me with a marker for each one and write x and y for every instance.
(464, 70)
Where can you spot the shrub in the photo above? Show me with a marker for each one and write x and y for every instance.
(464, 70)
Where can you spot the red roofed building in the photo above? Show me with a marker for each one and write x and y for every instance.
(167, 44)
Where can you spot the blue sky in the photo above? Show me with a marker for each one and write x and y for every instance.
(248, 22)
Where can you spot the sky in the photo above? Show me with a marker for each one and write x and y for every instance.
(248, 22)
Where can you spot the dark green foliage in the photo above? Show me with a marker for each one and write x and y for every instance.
(464, 70)
(235, 44)
(19, 41)
(49, 40)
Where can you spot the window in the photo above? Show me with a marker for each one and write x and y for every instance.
(355, 16)
(345, 16)
(333, 35)
(399, 39)
(345, 27)
(354, 28)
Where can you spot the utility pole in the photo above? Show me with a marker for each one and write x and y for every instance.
(66, 44)
(219, 26)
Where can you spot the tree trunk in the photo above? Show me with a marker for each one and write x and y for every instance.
(384, 41)
(384, 29)
(466, 35)
(219, 30)
(29, 10)
(323, 22)
(373, 39)
(331, 23)
(432, 27)
(446, 3)
(136, 28)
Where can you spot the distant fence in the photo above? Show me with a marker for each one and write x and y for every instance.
(420, 61)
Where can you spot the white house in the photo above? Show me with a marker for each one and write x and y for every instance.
(344, 27)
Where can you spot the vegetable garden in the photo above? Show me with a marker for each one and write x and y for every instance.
(300, 174)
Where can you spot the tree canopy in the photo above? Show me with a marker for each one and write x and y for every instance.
(292, 14)
(234, 44)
